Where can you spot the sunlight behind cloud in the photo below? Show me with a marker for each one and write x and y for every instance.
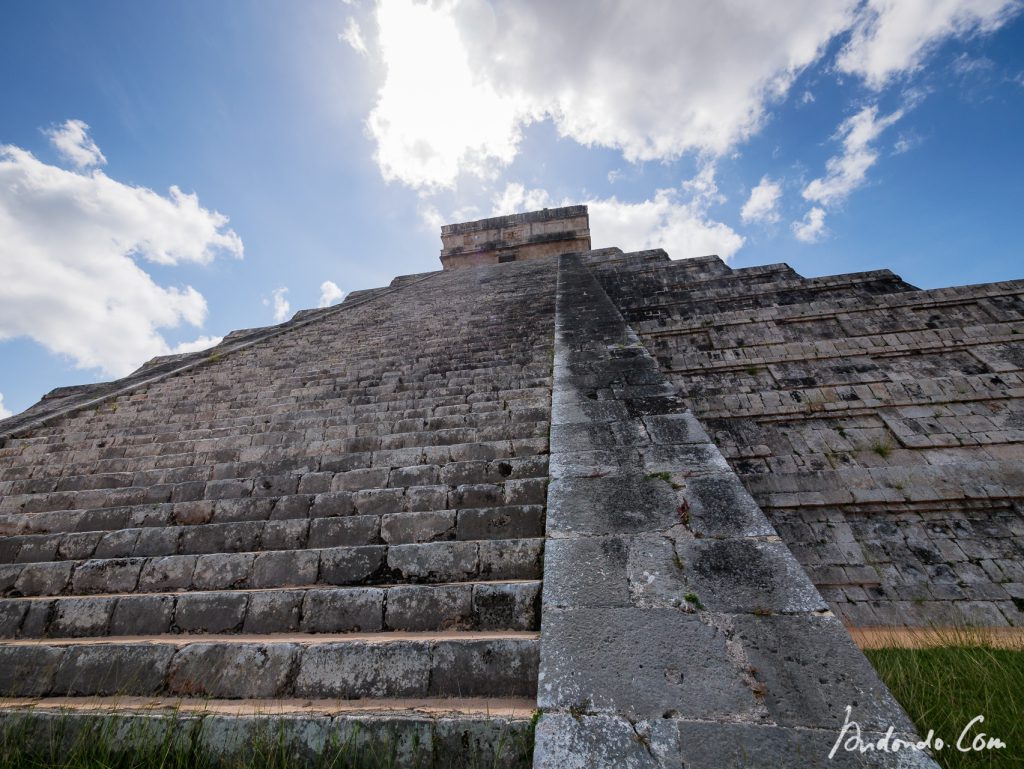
(434, 117)
(649, 80)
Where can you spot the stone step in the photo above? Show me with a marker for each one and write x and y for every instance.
(499, 605)
(300, 457)
(426, 733)
(505, 707)
(298, 475)
(224, 511)
(508, 404)
(433, 562)
(365, 490)
(389, 470)
(360, 484)
(106, 470)
(321, 423)
(344, 667)
(166, 536)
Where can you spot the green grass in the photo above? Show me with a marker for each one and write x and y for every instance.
(944, 688)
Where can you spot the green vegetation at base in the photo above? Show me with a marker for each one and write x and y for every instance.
(945, 688)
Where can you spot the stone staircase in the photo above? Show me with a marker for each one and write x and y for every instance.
(346, 516)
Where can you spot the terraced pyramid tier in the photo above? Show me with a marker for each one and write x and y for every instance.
(881, 427)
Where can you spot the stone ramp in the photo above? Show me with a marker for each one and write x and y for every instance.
(677, 629)
(349, 508)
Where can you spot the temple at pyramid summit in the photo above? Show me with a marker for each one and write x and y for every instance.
(548, 506)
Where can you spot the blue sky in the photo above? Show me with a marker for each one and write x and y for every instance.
(169, 169)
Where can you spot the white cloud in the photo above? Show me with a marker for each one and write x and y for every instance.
(846, 172)
(282, 309)
(71, 248)
(762, 204)
(812, 228)
(892, 37)
(74, 144)
(196, 345)
(431, 218)
(965, 65)
(674, 219)
(516, 198)
(330, 293)
(4, 413)
(906, 142)
(353, 35)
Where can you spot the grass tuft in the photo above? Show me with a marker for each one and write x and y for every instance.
(882, 448)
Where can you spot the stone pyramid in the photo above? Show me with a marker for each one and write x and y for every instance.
(549, 506)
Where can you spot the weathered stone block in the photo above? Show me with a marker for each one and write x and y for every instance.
(210, 612)
(109, 669)
(78, 617)
(354, 670)
(399, 528)
(28, 671)
(810, 671)
(352, 565)
(343, 610)
(142, 615)
(430, 607)
(285, 568)
(494, 668)
(231, 670)
(608, 505)
(641, 663)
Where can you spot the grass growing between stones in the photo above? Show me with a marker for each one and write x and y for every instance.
(944, 688)
(69, 741)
